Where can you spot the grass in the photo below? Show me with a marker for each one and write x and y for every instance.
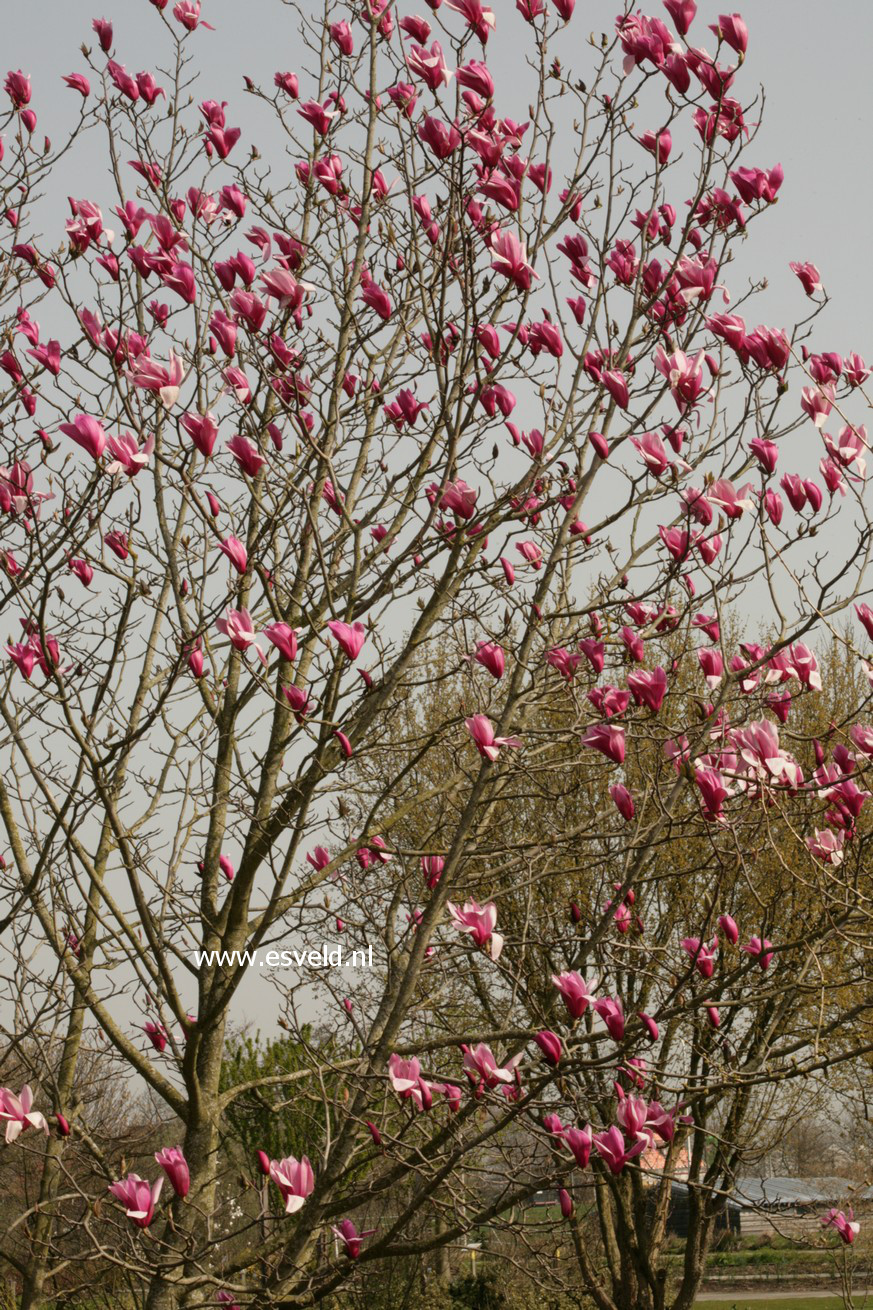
(791, 1301)
(768, 1255)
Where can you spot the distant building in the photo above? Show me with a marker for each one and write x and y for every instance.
(678, 1213)
(790, 1206)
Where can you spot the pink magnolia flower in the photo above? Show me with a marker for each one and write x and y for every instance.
(349, 1235)
(865, 614)
(684, 376)
(187, 12)
(766, 453)
(478, 921)
(294, 1179)
(478, 16)
(660, 1121)
(298, 699)
(565, 662)
(805, 666)
(659, 144)
(702, 956)
(320, 116)
(729, 499)
(284, 638)
(235, 551)
(682, 12)
(653, 453)
(403, 1074)
(623, 801)
(577, 992)
(481, 730)
(417, 28)
(579, 1141)
(510, 259)
(649, 1024)
(202, 429)
(429, 65)
(530, 551)
(731, 29)
(49, 356)
(432, 867)
(862, 737)
(712, 665)
(180, 278)
(175, 1166)
(827, 846)
(194, 658)
(483, 1070)
(88, 433)
(648, 688)
(612, 1149)
(130, 457)
(319, 858)
(550, 1045)
(759, 949)
(239, 627)
(508, 570)
(491, 657)
(248, 458)
(18, 88)
(289, 83)
(374, 1133)
(349, 637)
(768, 347)
(283, 286)
(612, 1013)
(616, 384)
(148, 88)
(378, 300)
(849, 447)
(729, 928)
(164, 379)
(157, 1035)
(758, 744)
(118, 543)
(810, 278)
(82, 570)
(475, 76)
(341, 35)
(846, 1224)
(817, 402)
(855, 371)
(405, 1077)
(457, 497)
(631, 1114)
(138, 1197)
(608, 738)
(18, 1114)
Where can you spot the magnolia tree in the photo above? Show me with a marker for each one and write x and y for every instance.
(412, 543)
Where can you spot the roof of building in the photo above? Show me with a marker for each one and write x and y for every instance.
(783, 1191)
